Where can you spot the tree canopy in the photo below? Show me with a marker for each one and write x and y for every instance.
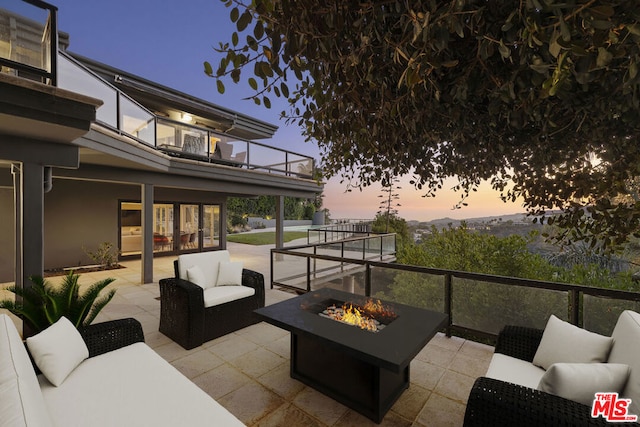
(538, 96)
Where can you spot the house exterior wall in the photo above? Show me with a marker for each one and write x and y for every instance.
(81, 215)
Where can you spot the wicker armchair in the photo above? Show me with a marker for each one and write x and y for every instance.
(104, 337)
(497, 403)
(184, 318)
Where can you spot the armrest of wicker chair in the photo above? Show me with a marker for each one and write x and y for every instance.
(182, 311)
(254, 280)
(493, 402)
(107, 336)
(519, 342)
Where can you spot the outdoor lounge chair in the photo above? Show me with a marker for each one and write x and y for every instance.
(208, 297)
(508, 394)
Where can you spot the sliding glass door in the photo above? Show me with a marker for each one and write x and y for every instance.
(177, 227)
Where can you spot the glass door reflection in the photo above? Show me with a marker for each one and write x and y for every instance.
(210, 226)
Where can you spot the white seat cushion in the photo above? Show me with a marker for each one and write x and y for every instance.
(208, 263)
(626, 350)
(513, 370)
(222, 294)
(21, 401)
(131, 386)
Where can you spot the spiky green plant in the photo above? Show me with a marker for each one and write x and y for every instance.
(42, 304)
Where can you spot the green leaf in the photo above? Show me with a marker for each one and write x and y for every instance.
(267, 102)
(604, 57)
(253, 84)
(207, 69)
(235, 14)
(220, 86)
(244, 21)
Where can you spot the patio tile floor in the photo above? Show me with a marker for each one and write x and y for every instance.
(248, 371)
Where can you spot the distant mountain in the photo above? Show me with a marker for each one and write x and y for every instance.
(443, 222)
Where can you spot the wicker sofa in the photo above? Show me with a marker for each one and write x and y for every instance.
(508, 394)
(123, 382)
(193, 312)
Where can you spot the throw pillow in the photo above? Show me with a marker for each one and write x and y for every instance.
(581, 381)
(563, 342)
(58, 350)
(196, 276)
(229, 273)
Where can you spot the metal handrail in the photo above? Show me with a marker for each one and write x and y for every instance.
(574, 292)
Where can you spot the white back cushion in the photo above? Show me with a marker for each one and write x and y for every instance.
(581, 381)
(229, 273)
(208, 263)
(563, 342)
(626, 350)
(21, 402)
(58, 350)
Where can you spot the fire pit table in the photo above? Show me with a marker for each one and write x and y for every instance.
(363, 369)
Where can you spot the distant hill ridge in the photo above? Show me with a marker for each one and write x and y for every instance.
(442, 222)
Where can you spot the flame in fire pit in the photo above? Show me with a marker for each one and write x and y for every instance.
(363, 317)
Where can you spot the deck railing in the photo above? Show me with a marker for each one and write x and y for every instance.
(338, 231)
(477, 304)
(24, 53)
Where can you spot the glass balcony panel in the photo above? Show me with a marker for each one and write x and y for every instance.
(166, 134)
(336, 275)
(372, 247)
(488, 306)
(330, 249)
(290, 270)
(601, 314)
(354, 249)
(388, 245)
(406, 287)
(136, 121)
(19, 40)
(300, 165)
(75, 78)
(267, 158)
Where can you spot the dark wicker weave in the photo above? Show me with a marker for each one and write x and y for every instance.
(184, 319)
(108, 336)
(498, 403)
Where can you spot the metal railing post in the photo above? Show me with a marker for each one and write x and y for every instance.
(447, 302)
(574, 315)
(367, 280)
(308, 274)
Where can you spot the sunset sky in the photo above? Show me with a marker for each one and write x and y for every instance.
(167, 42)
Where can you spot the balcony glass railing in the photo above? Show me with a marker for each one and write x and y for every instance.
(29, 40)
(123, 114)
(477, 304)
(339, 231)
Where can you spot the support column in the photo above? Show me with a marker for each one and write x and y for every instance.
(146, 259)
(30, 223)
(279, 222)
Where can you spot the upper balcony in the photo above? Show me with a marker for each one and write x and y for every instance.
(143, 112)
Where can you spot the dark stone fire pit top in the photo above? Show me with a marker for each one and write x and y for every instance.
(392, 348)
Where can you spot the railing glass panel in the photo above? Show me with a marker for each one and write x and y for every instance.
(136, 121)
(486, 306)
(268, 158)
(601, 314)
(412, 288)
(75, 78)
(20, 40)
(181, 139)
(290, 270)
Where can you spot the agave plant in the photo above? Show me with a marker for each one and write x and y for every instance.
(42, 304)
